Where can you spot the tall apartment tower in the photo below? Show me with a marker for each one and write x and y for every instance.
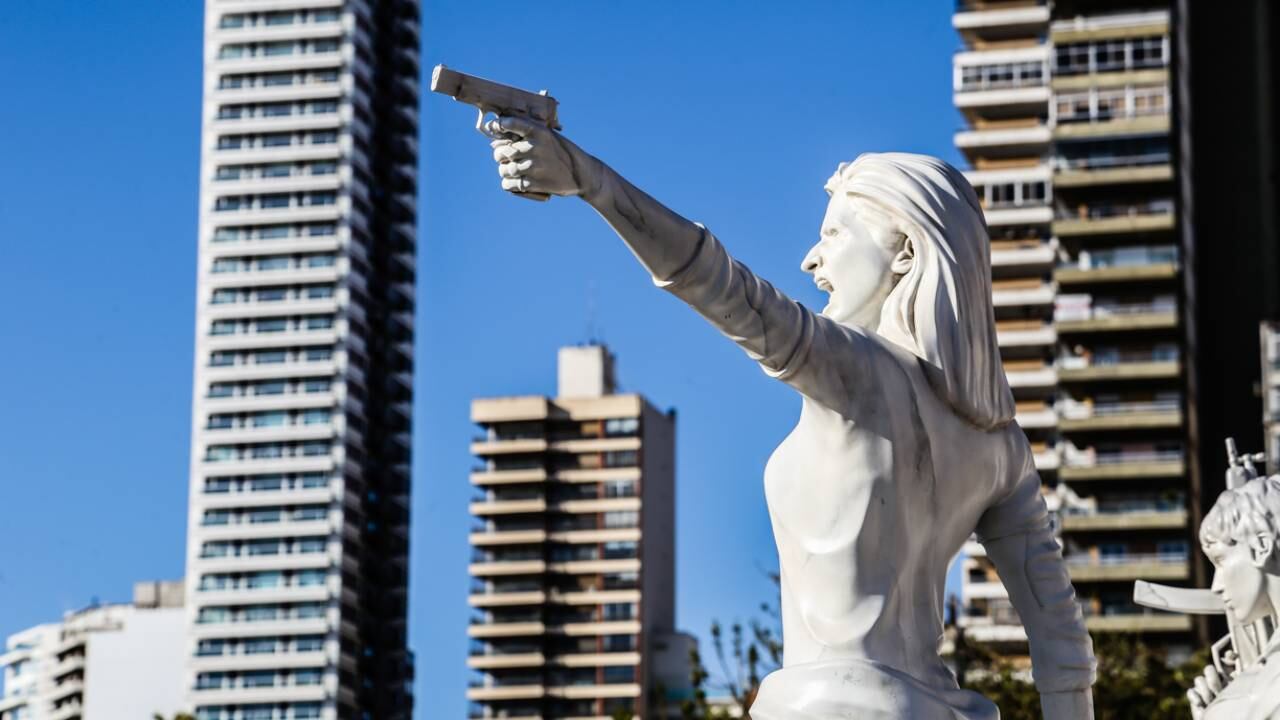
(1067, 107)
(573, 572)
(298, 534)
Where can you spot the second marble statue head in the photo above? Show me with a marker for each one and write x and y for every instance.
(904, 252)
(1239, 534)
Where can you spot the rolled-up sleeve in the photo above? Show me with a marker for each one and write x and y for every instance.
(1019, 540)
(790, 342)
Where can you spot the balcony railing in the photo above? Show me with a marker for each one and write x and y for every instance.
(1132, 507)
(1083, 559)
(1101, 211)
(1090, 457)
(1084, 411)
(1102, 162)
(1085, 311)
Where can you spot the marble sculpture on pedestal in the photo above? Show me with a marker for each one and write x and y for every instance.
(906, 442)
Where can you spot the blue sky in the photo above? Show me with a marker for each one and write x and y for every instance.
(733, 113)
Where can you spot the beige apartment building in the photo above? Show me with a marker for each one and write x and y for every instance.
(573, 568)
(1067, 114)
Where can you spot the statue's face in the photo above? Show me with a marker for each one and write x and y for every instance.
(1240, 580)
(858, 259)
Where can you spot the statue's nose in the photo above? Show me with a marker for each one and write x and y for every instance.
(812, 261)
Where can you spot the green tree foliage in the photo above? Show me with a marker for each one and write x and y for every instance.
(1134, 681)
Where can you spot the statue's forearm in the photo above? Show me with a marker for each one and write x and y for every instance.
(1072, 705)
(663, 241)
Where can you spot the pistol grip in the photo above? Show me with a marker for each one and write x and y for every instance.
(540, 197)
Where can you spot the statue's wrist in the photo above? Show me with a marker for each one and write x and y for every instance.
(1068, 705)
(588, 174)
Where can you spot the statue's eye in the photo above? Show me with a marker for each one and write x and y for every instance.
(831, 231)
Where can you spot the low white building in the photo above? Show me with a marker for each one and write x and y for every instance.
(107, 661)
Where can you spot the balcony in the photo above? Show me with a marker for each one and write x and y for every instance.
(1025, 333)
(1118, 127)
(500, 661)
(66, 711)
(1085, 316)
(1112, 170)
(990, 76)
(522, 534)
(496, 446)
(1152, 622)
(1029, 254)
(1022, 292)
(1110, 25)
(1000, 215)
(508, 477)
(508, 599)
(1130, 566)
(1080, 369)
(1125, 465)
(994, 20)
(510, 692)
(1086, 416)
(1014, 138)
(506, 629)
(503, 568)
(987, 590)
(582, 692)
(1030, 374)
(1114, 219)
(1146, 516)
(1046, 458)
(1035, 415)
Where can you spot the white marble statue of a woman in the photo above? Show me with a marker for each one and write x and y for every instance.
(906, 442)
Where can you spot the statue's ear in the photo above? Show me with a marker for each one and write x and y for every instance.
(906, 257)
(1262, 550)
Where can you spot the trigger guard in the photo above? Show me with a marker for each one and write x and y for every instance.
(482, 122)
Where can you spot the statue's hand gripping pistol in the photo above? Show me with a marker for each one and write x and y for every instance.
(495, 98)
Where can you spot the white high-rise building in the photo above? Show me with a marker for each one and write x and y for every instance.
(297, 546)
(106, 661)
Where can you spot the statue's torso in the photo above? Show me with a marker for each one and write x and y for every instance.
(866, 527)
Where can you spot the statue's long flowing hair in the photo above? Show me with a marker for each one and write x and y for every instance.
(941, 308)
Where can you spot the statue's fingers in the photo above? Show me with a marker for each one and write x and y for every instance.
(1212, 679)
(516, 184)
(1196, 701)
(515, 125)
(514, 169)
(504, 153)
(1202, 687)
(1197, 705)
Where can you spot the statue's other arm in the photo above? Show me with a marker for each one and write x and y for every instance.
(1019, 540)
(789, 341)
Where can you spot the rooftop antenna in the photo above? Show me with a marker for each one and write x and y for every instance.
(593, 335)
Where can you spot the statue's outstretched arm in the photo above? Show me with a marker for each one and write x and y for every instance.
(1019, 541)
(792, 343)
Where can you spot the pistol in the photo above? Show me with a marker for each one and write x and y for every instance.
(491, 97)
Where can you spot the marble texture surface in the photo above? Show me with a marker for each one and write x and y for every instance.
(905, 445)
(1240, 534)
